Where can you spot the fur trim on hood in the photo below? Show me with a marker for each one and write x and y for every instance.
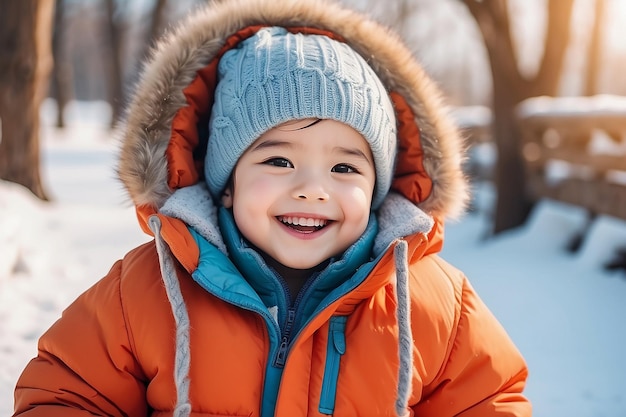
(163, 141)
(165, 133)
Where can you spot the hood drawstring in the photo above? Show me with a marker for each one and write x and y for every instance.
(405, 335)
(181, 319)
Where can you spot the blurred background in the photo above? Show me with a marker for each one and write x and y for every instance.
(492, 59)
(536, 86)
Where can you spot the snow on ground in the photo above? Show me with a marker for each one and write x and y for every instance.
(564, 311)
(51, 252)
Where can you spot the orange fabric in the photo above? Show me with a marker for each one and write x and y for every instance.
(112, 353)
(143, 214)
(175, 233)
(435, 237)
(411, 179)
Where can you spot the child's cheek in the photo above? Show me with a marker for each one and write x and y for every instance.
(264, 185)
(360, 195)
(357, 195)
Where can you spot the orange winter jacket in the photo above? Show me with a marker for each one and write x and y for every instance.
(175, 329)
(112, 353)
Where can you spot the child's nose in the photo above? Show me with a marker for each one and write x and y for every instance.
(313, 196)
(310, 187)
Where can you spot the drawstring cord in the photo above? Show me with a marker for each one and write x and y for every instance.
(405, 336)
(181, 318)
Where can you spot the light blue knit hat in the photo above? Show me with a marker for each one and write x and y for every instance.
(276, 76)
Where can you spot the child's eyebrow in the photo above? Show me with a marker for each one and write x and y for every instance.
(275, 143)
(271, 143)
(353, 152)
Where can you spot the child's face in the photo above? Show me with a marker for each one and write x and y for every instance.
(302, 192)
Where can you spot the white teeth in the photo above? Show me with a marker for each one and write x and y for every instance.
(302, 221)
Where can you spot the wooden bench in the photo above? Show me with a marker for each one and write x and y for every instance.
(575, 151)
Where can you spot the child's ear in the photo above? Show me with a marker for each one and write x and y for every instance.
(227, 197)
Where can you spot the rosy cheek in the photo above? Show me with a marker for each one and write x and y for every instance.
(255, 193)
(359, 195)
(261, 191)
(252, 182)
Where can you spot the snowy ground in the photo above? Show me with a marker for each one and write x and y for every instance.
(563, 310)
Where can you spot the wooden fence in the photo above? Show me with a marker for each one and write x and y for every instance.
(575, 151)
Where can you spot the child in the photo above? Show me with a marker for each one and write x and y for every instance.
(294, 270)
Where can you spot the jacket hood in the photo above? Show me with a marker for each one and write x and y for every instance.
(163, 135)
(164, 138)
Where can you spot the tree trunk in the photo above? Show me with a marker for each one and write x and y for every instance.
(116, 89)
(512, 204)
(62, 70)
(25, 63)
(510, 87)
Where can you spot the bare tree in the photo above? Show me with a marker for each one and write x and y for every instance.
(510, 87)
(25, 64)
(62, 70)
(116, 83)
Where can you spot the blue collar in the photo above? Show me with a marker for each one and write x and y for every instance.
(270, 287)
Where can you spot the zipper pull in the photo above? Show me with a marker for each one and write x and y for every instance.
(281, 356)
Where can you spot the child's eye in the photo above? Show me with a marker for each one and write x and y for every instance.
(279, 162)
(345, 169)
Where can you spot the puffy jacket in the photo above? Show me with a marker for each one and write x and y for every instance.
(175, 329)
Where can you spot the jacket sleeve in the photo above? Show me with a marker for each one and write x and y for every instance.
(85, 364)
(482, 372)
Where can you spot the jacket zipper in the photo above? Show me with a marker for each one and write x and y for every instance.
(283, 349)
(281, 355)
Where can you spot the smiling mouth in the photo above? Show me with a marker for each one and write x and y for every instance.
(303, 224)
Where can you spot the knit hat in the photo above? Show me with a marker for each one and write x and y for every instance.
(276, 76)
